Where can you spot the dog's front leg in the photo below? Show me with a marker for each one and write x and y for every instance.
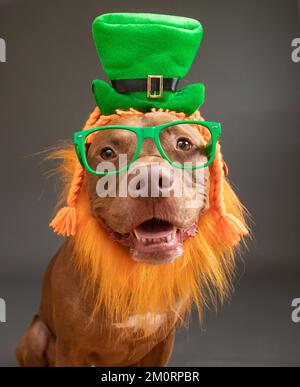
(160, 355)
(36, 348)
(66, 355)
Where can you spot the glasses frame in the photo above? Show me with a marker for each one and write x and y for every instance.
(142, 133)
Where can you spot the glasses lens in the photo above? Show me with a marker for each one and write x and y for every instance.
(110, 150)
(185, 144)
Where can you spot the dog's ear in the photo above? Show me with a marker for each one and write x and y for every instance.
(225, 169)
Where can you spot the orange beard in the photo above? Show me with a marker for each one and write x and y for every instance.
(123, 287)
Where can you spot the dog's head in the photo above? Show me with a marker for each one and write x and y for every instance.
(189, 227)
(152, 207)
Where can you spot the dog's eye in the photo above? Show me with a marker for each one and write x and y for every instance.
(107, 154)
(184, 145)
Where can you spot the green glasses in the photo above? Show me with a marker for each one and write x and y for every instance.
(113, 149)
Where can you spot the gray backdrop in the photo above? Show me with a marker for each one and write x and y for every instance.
(252, 88)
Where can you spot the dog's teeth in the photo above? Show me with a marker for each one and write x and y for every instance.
(137, 235)
(166, 239)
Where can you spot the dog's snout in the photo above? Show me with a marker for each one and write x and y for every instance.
(151, 181)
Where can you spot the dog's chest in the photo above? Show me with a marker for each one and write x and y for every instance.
(137, 322)
(130, 341)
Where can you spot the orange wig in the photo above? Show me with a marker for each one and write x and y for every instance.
(122, 286)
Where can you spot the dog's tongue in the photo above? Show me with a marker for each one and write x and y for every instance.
(154, 230)
(155, 239)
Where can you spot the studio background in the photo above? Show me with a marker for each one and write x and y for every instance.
(253, 88)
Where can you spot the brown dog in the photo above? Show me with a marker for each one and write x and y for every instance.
(115, 291)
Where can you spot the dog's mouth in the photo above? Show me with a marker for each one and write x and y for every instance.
(155, 241)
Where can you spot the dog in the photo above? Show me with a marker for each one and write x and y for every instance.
(117, 289)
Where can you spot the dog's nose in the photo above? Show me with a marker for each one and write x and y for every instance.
(165, 180)
(151, 181)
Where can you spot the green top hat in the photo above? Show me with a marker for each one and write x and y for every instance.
(144, 56)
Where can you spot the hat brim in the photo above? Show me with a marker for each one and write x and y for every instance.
(186, 100)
